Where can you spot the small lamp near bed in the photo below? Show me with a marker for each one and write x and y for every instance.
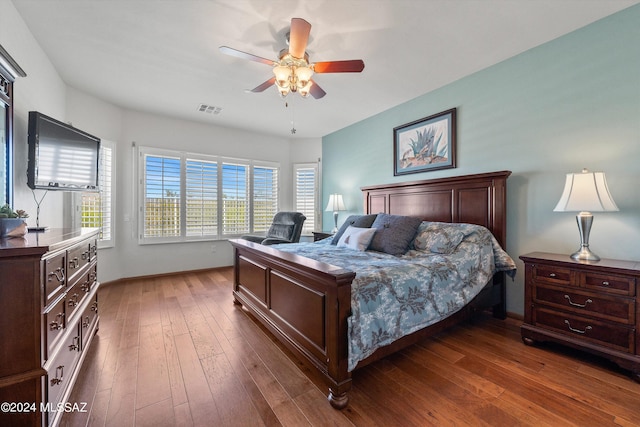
(335, 204)
(585, 192)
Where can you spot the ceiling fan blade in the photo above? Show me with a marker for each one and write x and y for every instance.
(243, 55)
(351, 66)
(298, 37)
(316, 91)
(265, 85)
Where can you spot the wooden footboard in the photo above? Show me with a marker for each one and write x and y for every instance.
(305, 303)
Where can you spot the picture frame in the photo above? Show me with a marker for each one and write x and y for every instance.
(426, 144)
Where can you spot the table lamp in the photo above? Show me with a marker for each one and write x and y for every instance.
(585, 192)
(335, 204)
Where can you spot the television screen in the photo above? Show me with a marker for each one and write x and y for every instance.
(61, 157)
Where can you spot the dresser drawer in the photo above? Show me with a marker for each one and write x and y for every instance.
(617, 309)
(602, 333)
(621, 285)
(77, 258)
(552, 274)
(60, 369)
(54, 280)
(89, 320)
(54, 322)
(73, 299)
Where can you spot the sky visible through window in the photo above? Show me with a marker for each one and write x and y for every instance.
(163, 178)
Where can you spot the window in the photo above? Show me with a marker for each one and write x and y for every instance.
(265, 197)
(187, 196)
(97, 208)
(305, 193)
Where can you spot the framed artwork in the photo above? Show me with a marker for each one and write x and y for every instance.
(426, 144)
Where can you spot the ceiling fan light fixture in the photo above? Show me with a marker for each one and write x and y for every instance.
(303, 76)
(283, 75)
(304, 91)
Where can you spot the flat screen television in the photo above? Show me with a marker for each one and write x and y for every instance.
(61, 157)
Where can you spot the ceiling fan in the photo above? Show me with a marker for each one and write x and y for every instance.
(292, 70)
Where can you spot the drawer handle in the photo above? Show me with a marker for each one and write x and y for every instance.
(85, 286)
(85, 255)
(55, 325)
(605, 283)
(552, 274)
(56, 380)
(75, 344)
(74, 263)
(85, 323)
(588, 328)
(576, 304)
(73, 300)
(58, 273)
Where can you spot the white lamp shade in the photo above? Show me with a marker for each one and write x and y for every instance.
(335, 203)
(586, 191)
(304, 75)
(282, 74)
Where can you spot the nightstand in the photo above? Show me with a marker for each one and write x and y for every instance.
(319, 235)
(591, 306)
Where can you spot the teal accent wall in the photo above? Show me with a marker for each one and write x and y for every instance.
(571, 103)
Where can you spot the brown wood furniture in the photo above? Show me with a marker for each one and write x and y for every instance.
(48, 316)
(591, 306)
(306, 303)
(319, 235)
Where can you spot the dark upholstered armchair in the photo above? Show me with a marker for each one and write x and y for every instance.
(285, 228)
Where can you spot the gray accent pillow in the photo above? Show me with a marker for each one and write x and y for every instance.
(394, 233)
(360, 221)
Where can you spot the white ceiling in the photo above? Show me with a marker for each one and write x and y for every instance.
(162, 57)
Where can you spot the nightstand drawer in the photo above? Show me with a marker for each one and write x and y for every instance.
(552, 274)
(606, 307)
(602, 333)
(621, 285)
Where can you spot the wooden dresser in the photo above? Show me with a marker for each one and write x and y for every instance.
(589, 306)
(48, 317)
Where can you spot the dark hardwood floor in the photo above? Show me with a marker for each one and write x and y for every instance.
(175, 351)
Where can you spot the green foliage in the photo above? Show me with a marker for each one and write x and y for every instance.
(7, 212)
(423, 145)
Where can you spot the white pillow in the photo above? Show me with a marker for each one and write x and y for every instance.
(356, 238)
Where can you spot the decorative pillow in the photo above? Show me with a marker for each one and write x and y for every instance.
(394, 233)
(360, 221)
(356, 238)
(438, 237)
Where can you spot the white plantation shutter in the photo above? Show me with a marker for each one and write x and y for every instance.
(97, 207)
(162, 196)
(201, 197)
(265, 197)
(235, 199)
(187, 196)
(306, 193)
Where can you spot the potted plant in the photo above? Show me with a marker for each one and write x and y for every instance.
(12, 223)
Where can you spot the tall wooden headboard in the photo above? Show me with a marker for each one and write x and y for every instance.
(475, 199)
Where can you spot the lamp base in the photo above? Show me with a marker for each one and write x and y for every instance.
(584, 254)
(584, 220)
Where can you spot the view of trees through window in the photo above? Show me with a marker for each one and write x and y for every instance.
(195, 196)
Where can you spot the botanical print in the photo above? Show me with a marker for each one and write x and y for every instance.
(426, 144)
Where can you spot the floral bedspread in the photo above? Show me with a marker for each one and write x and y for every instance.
(395, 296)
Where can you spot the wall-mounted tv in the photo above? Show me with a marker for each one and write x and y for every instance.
(61, 157)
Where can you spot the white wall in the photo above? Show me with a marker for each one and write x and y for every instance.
(43, 90)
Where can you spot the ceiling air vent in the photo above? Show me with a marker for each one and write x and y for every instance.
(209, 109)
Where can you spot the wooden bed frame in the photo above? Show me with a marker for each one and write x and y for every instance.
(306, 303)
